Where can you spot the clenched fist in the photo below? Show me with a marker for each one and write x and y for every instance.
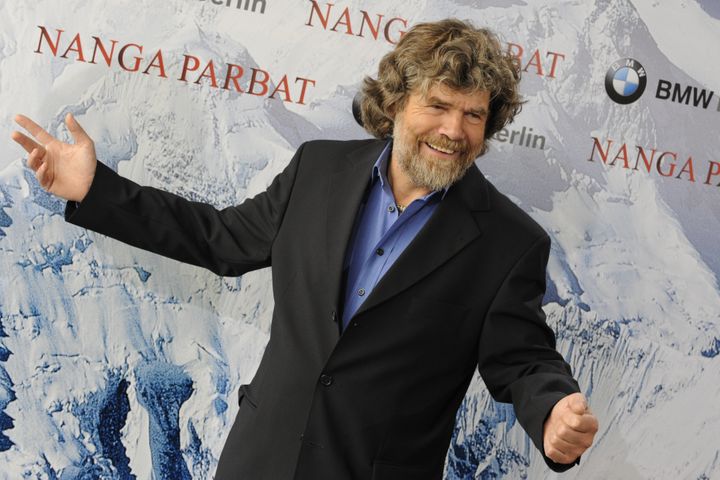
(569, 430)
(63, 169)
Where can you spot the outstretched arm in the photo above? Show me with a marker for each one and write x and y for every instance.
(231, 241)
(519, 364)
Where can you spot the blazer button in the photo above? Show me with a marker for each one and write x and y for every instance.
(326, 380)
(333, 316)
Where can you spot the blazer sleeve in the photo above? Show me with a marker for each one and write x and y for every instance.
(517, 357)
(229, 242)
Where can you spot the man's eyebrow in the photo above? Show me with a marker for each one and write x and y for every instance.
(436, 101)
(478, 111)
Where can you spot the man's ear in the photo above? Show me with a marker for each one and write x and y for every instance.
(396, 107)
(393, 110)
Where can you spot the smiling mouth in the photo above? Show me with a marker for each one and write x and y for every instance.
(440, 149)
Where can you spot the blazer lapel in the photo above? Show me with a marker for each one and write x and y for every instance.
(448, 231)
(345, 193)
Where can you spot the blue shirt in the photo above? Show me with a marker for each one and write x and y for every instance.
(380, 235)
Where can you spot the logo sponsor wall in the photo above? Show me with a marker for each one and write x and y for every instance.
(115, 363)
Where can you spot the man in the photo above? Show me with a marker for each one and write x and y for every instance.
(397, 270)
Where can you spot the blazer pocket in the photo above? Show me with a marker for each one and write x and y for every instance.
(389, 471)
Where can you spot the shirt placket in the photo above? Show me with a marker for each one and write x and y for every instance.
(384, 249)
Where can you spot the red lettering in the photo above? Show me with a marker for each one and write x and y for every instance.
(343, 23)
(263, 83)
(599, 148)
(555, 56)
(107, 56)
(621, 155)
(121, 57)
(535, 61)
(210, 67)
(374, 29)
(673, 155)
(641, 154)
(315, 8)
(160, 65)
(712, 171)
(346, 16)
(44, 35)
(518, 50)
(401, 32)
(187, 68)
(284, 88)
(665, 162)
(688, 167)
(229, 76)
(75, 46)
(303, 89)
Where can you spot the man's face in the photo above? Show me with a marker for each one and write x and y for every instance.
(439, 135)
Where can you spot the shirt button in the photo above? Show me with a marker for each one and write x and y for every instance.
(391, 208)
(361, 292)
(326, 380)
(380, 251)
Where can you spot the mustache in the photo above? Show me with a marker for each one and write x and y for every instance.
(445, 143)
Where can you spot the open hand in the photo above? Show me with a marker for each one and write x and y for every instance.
(569, 430)
(63, 169)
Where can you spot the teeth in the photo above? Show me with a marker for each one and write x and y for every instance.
(440, 149)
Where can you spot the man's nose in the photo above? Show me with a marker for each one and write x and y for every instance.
(452, 125)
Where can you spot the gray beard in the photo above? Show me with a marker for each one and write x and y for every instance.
(430, 172)
(427, 171)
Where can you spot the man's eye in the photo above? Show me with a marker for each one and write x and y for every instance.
(437, 107)
(475, 117)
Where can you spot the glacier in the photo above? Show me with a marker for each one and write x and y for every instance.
(118, 364)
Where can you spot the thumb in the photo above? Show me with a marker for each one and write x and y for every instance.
(577, 403)
(76, 130)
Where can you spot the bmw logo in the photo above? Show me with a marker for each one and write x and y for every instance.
(625, 81)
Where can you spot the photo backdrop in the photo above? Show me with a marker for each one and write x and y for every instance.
(119, 364)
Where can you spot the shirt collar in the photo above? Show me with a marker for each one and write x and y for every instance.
(380, 167)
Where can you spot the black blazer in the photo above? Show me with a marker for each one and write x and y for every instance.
(377, 402)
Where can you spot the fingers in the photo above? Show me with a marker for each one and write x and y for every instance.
(26, 142)
(565, 444)
(573, 412)
(35, 130)
(558, 456)
(76, 130)
(560, 451)
(577, 403)
(569, 430)
(42, 176)
(586, 423)
(35, 159)
(572, 437)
